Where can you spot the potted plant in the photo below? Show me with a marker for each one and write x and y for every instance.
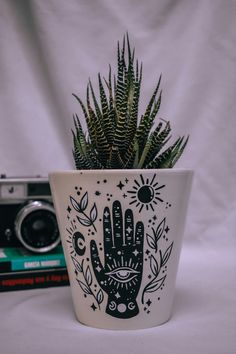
(121, 213)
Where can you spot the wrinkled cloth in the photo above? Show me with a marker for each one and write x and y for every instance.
(49, 50)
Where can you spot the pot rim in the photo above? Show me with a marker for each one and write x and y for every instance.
(126, 171)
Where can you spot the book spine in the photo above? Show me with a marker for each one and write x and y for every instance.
(33, 279)
(32, 263)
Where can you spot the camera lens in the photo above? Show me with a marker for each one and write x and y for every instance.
(36, 227)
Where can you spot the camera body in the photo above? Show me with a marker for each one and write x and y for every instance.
(27, 216)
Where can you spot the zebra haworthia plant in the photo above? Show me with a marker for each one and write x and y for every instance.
(116, 137)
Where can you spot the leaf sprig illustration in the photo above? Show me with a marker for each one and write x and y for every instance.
(88, 280)
(80, 207)
(153, 239)
(156, 283)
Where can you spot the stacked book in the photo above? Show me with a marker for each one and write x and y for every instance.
(21, 269)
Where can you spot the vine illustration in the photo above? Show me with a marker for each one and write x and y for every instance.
(88, 280)
(156, 283)
(153, 239)
(80, 207)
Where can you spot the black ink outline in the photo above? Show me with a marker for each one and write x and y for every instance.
(152, 240)
(88, 280)
(80, 208)
(141, 195)
(156, 283)
(121, 275)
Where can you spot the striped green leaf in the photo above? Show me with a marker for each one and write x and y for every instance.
(115, 137)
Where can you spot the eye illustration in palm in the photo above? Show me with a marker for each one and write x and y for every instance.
(120, 276)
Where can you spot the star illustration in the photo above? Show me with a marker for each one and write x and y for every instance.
(167, 229)
(129, 229)
(136, 253)
(97, 193)
(98, 268)
(148, 302)
(117, 295)
(69, 209)
(120, 185)
(93, 307)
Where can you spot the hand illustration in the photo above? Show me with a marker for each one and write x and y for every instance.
(120, 276)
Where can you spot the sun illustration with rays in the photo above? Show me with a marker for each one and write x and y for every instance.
(146, 193)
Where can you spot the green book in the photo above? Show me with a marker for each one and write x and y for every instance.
(18, 259)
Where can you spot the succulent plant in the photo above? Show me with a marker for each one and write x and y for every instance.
(116, 137)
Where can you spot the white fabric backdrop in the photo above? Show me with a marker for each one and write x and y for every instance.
(49, 48)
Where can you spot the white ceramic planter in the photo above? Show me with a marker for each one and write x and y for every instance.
(122, 232)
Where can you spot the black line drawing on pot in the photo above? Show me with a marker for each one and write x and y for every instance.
(80, 207)
(157, 282)
(146, 193)
(86, 284)
(121, 274)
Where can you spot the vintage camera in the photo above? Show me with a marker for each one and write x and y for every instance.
(27, 216)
